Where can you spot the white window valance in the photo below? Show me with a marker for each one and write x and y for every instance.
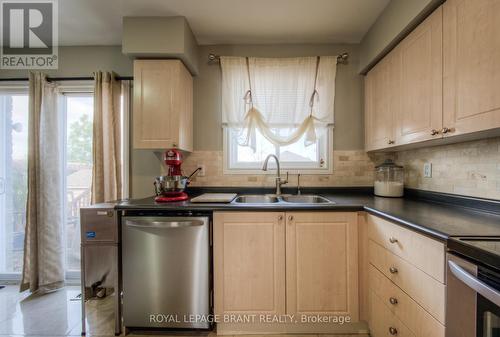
(272, 94)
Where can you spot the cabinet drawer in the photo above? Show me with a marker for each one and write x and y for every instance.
(99, 225)
(424, 253)
(425, 290)
(383, 323)
(419, 321)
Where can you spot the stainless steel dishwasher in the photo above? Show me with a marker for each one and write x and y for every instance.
(166, 272)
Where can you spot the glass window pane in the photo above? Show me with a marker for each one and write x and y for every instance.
(13, 180)
(245, 154)
(79, 117)
(299, 153)
(293, 156)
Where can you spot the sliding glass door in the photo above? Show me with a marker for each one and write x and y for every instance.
(13, 179)
(78, 109)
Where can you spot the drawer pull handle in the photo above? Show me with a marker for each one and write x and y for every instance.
(393, 239)
(393, 331)
(393, 270)
(393, 300)
(108, 213)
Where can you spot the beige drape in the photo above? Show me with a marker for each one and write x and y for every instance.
(43, 264)
(106, 148)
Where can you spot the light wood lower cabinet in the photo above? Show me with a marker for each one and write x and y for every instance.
(327, 264)
(424, 253)
(321, 264)
(249, 263)
(409, 312)
(319, 250)
(383, 323)
(424, 289)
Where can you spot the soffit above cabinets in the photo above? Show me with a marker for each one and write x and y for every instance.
(97, 22)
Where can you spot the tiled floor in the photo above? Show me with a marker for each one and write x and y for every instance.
(58, 314)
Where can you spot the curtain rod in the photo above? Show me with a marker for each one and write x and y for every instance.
(342, 58)
(56, 79)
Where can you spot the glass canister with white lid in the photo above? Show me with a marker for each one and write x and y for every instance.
(389, 179)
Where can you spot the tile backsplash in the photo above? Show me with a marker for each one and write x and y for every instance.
(471, 168)
(351, 168)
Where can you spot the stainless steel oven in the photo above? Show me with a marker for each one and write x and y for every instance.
(473, 298)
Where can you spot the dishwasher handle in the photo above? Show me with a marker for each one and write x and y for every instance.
(164, 224)
(474, 283)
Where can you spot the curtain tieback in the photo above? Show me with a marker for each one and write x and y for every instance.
(311, 101)
(315, 92)
(248, 98)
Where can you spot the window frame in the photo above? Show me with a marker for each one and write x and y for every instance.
(229, 151)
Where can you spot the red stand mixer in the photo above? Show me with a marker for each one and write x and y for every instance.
(171, 187)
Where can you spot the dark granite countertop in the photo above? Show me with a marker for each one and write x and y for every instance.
(437, 215)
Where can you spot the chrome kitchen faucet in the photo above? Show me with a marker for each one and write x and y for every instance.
(279, 181)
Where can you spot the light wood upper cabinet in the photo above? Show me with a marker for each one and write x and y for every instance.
(403, 92)
(322, 264)
(418, 63)
(163, 105)
(471, 35)
(445, 74)
(249, 263)
(380, 105)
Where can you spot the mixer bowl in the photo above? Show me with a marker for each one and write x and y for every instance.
(170, 184)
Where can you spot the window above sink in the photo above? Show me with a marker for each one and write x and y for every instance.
(314, 159)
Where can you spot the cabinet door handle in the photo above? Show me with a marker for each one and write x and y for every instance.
(447, 130)
(280, 217)
(391, 142)
(434, 132)
(393, 270)
(393, 239)
(393, 331)
(290, 217)
(393, 300)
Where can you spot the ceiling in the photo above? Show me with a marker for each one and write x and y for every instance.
(99, 22)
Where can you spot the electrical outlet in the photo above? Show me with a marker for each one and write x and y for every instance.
(201, 173)
(428, 170)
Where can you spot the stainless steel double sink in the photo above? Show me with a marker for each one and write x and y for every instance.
(291, 199)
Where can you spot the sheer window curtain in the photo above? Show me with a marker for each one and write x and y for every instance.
(110, 144)
(106, 173)
(270, 93)
(43, 267)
